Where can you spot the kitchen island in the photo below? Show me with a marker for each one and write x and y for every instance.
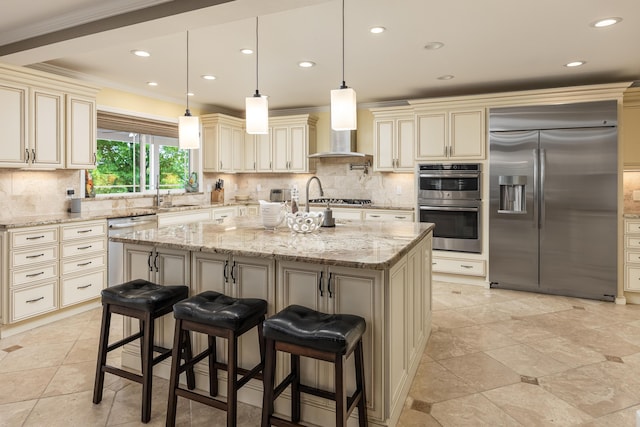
(378, 270)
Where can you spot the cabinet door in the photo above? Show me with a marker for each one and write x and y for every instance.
(280, 149)
(249, 162)
(297, 149)
(630, 131)
(225, 148)
(237, 149)
(405, 145)
(432, 136)
(384, 145)
(467, 134)
(398, 279)
(82, 144)
(46, 128)
(172, 268)
(13, 122)
(263, 153)
(209, 150)
(138, 262)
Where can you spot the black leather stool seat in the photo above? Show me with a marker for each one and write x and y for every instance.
(215, 309)
(335, 333)
(143, 295)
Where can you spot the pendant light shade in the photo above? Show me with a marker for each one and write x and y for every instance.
(257, 106)
(188, 125)
(344, 115)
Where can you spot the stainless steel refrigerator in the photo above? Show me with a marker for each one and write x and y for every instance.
(553, 199)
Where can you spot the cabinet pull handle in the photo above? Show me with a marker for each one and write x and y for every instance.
(466, 266)
(329, 285)
(35, 237)
(233, 269)
(224, 271)
(34, 300)
(400, 217)
(26, 157)
(254, 165)
(320, 284)
(270, 163)
(84, 247)
(35, 274)
(220, 164)
(34, 256)
(82, 264)
(155, 261)
(149, 261)
(85, 286)
(84, 231)
(33, 157)
(95, 158)
(375, 216)
(434, 263)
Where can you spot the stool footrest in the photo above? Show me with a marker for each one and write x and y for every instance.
(122, 373)
(206, 400)
(164, 354)
(124, 341)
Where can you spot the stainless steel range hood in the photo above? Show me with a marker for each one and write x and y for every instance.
(342, 144)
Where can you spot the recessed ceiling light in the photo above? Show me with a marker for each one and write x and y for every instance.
(208, 77)
(141, 53)
(446, 77)
(152, 83)
(607, 22)
(246, 51)
(377, 30)
(306, 64)
(190, 94)
(433, 45)
(575, 63)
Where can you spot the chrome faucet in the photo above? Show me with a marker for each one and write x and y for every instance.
(309, 182)
(158, 201)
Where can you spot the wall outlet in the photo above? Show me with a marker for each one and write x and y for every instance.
(258, 187)
(209, 189)
(70, 192)
(636, 194)
(398, 189)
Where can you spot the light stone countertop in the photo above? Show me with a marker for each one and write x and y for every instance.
(360, 244)
(631, 215)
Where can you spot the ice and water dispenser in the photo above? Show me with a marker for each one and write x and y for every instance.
(512, 194)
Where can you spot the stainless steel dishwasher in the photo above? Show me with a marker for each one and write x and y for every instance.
(116, 249)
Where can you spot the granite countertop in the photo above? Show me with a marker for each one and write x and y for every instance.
(361, 244)
(631, 215)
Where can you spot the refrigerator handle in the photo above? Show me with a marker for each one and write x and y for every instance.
(536, 180)
(543, 161)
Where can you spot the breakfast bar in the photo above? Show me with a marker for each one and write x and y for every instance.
(378, 270)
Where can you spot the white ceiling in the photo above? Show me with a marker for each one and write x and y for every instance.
(489, 45)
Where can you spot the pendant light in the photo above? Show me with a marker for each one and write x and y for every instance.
(188, 125)
(257, 106)
(343, 100)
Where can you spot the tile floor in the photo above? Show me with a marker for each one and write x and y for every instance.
(495, 358)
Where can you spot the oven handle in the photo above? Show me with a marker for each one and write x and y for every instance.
(448, 208)
(453, 175)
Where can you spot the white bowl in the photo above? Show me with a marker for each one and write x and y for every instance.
(304, 222)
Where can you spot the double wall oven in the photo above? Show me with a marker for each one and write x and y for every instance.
(450, 196)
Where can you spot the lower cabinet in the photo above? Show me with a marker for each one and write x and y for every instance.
(462, 266)
(181, 217)
(632, 255)
(337, 290)
(389, 215)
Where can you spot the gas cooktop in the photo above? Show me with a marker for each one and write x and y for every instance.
(352, 202)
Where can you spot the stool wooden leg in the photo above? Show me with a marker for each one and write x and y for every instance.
(213, 370)
(102, 353)
(147, 364)
(268, 373)
(362, 404)
(174, 377)
(232, 380)
(341, 392)
(295, 388)
(187, 355)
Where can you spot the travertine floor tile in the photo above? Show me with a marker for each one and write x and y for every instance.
(36, 356)
(21, 385)
(527, 361)
(66, 410)
(482, 338)
(14, 414)
(472, 411)
(481, 371)
(567, 352)
(436, 384)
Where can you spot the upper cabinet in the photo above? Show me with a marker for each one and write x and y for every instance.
(293, 138)
(394, 139)
(630, 128)
(222, 143)
(40, 121)
(451, 134)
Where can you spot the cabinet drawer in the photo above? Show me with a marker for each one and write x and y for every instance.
(83, 264)
(82, 288)
(28, 302)
(31, 275)
(388, 216)
(458, 266)
(632, 256)
(40, 236)
(632, 242)
(33, 256)
(82, 248)
(632, 226)
(632, 278)
(222, 214)
(165, 219)
(84, 230)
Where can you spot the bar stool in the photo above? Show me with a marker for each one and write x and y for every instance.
(301, 331)
(215, 315)
(146, 302)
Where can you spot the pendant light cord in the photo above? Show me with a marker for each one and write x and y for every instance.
(257, 94)
(344, 86)
(188, 113)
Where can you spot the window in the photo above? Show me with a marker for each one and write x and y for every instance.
(128, 162)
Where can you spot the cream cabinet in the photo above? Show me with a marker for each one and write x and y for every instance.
(388, 215)
(629, 128)
(338, 290)
(82, 143)
(181, 217)
(293, 138)
(83, 265)
(250, 161)
(223, 141)
(14, 121)
(455, 265)
(457, 134)
(222, 213)
(33, 272)
(632, 255)
(394, 139)
(264, 153)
